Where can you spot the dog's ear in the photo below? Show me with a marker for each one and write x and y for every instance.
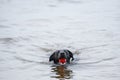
(52, 57)
(70, 54)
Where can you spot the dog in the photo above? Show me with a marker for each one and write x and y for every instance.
(61, 57)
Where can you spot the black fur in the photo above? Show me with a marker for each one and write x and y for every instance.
(61, 54)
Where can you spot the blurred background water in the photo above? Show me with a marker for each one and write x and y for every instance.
(31, 30)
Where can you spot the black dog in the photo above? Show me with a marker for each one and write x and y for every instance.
(61, 57)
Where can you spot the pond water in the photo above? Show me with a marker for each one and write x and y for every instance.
(31, 30)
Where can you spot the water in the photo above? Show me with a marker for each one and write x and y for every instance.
(31, 30)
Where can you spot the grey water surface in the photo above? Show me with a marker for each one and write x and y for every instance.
(31, 30)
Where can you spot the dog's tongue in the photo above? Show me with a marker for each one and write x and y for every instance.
(62, 60)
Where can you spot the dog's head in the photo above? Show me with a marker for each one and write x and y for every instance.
(61, 56)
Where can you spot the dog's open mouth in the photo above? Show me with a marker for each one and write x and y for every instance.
(62, 61)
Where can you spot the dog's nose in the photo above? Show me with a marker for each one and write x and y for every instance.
(62, 55)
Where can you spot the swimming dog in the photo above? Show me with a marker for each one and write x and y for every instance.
(61, 57)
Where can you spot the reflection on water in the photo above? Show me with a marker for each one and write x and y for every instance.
(62, 72)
